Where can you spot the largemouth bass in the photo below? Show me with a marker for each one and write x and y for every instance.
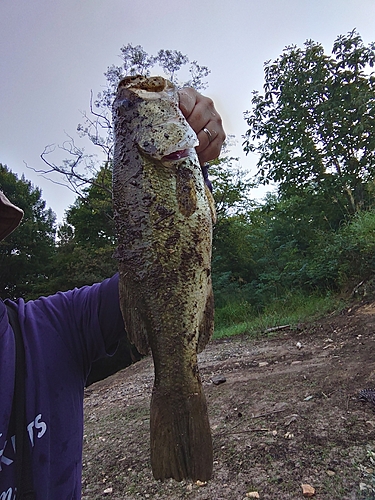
(164, 217)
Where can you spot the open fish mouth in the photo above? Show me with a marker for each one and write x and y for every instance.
(177, 155)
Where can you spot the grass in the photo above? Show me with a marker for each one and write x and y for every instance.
(237, 318)
(367, 485)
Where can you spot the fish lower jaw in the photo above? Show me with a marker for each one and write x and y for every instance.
(178, 155)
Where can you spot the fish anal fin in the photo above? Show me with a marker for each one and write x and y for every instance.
(181, 442)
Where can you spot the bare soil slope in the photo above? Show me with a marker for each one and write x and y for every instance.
(287, 414)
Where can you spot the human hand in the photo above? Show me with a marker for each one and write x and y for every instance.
(206, 122)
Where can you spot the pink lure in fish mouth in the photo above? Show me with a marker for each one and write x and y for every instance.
(176, 155)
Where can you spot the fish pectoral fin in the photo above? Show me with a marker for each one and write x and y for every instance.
(181, 442)
(206, 327)
(134, 320)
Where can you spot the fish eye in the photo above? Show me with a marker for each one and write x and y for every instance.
(124, 104)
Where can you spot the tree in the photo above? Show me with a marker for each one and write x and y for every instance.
(231, 187)
(91, 215)
(315, 124)
(231, 253)
(86, 241)
(231, 190)
(27, 253)
(81, 168)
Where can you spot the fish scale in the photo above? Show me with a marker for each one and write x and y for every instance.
(164, 217)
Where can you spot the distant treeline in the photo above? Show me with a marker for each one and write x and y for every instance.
(261, 254)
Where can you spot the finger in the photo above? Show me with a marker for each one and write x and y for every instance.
(205, 137)
(211, 139)
(203, 113)
(187, 100)
(211, 152)
(197, 109)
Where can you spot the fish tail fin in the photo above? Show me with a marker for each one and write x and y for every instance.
(181, 443)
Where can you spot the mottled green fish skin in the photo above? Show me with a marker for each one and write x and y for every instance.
(164, 218)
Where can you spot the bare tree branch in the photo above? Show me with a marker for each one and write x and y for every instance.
(80, 171)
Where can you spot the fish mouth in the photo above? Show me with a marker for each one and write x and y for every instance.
(177, 155)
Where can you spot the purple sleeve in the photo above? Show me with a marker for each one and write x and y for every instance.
(88, 320)
(207, 181)
(110, 317)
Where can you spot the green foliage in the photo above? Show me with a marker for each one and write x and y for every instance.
(77, 265)
(86, 244)
(231, 187)
(355, 250)
(292, 232)
(315, 124)
(265, 253)
(92, 214)
(289, 246)
(314, 131)
(26, 255)
(272, 249)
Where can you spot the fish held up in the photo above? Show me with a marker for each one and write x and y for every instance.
(164, 216)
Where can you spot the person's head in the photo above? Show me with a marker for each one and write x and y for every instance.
(10, 216)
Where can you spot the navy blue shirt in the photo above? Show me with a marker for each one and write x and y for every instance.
(63, 334)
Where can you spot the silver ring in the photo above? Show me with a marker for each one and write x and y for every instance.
(209, 135)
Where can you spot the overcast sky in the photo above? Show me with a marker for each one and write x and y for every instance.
(52, 54)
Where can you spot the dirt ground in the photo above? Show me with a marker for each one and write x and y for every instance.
(288, 414)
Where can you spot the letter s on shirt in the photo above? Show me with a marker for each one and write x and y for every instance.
(39, 426)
